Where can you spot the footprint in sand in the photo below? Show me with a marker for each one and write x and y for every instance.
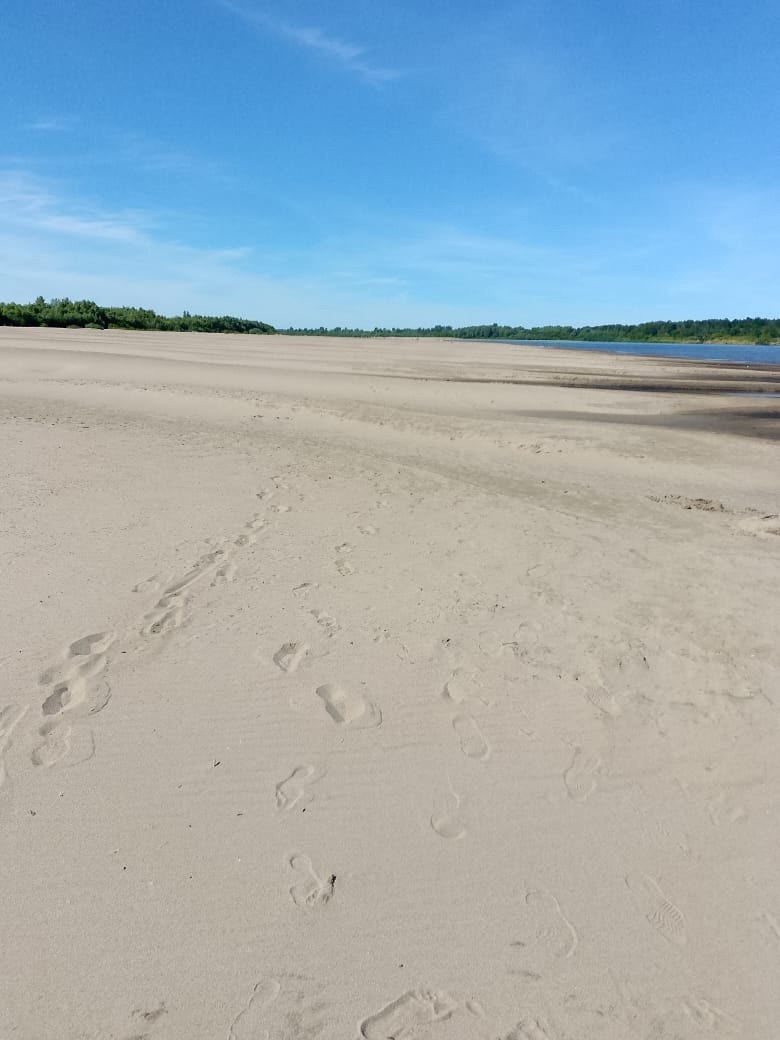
(166, 617)
(96, 643)
(472, 741)
(292, 1006)
(725, 809)
(531, 1029)
(10, 717)
(224, 574)
(243, 540)
(409, 1016)
(56, 745)
(295, 789)
(58, 699)
(328, 624)
(77, 681)
(658, 910)
(204, 566)
(345, 548)
(547, 934)
(288, 657)
(580, 778)
(448, 824)
(147, 585)
(463, 687)
(344, 567)
(305, 588)
(762, 525)
(84, 659)
(347, 708)
(706, 1015)
(368, 530)
(247, 1024)
(310, 890)
(607, 703)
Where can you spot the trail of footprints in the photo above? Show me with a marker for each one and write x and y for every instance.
(347, 708)
(77, 688)
(279, 1007)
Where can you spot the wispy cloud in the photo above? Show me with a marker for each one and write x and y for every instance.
(26, 202)
(351, 56)
(52, 123)
(154, 156)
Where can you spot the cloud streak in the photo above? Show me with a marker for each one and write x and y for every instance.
(52, 123)
(350, 56)
(27, 203)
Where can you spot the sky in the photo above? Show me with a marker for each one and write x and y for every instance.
(365, 163)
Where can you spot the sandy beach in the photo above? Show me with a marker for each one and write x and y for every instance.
(386, 689)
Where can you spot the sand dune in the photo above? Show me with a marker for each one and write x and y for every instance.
(385, 689)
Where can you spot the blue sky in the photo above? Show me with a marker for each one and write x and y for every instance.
(365, 163)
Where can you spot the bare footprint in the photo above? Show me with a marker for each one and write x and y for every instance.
(295, 789)
(326, 622)
(148, 584)
(347, 708)
(344, 567)
(531, 1029)
(288, 657)
(345, 548)
(305, 588)
(607, 703)
(55, 745)
(97, 643)
(409, 1016)
(310, 890)
(472, 741)
(243, 540)
(448, 824)
(548, 935)
(224, 574)
(580, 778)
(463, 687)
(60, 697)
(660, 912)
(246, 1025)
(165, 618)
(368, 530)
(203, 567)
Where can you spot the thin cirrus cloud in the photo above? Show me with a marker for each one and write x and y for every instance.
(26, 202)
(52, 123)
(350, 56)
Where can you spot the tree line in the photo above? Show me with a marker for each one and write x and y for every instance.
(65, 313)
(86, 314)
(710, 330)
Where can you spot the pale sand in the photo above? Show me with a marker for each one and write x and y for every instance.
(345, 697)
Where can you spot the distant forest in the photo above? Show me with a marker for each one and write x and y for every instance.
(85, 314)
(65, 313)
(711, 330)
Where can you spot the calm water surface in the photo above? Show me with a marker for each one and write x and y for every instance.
(739, 353)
